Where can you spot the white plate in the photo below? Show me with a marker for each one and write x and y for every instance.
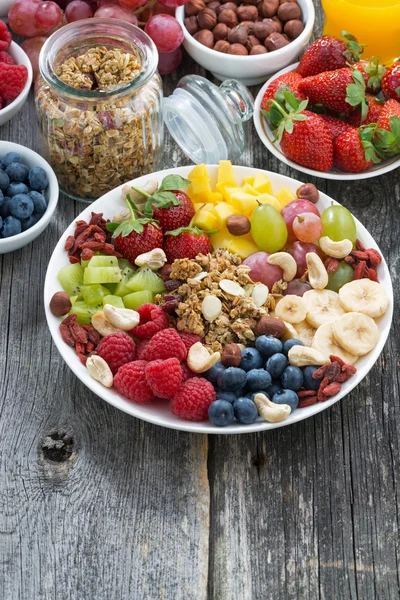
(266, 136)
(159, 412)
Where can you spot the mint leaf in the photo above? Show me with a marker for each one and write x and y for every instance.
(164, 199)
(125, 229)
(173, 182)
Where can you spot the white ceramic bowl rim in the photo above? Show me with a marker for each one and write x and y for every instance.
(15, 48)
(303, 37)
(158, 412)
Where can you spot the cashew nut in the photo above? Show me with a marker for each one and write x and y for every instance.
(99, 370)
(103, 325)
(211, 307)
(317, 274)
(335, 249)
(123, 319)
(200, 360)
(123, 215)
(303, 356)
(286, 262)
(149, 187)
(155, 259)
(270, 411)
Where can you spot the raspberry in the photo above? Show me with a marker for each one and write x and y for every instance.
(130, 381)
(164, 377)
(193, 398)
(141, 349)
(5, 36)
(152, 320)
(12, 80)
(165, 344)
(189, 339)
(186, 372)
(6, 58)
(117, 349)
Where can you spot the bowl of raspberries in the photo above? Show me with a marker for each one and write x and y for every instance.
(15, 76)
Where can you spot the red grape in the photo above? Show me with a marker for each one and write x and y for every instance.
(261, 270)
(167, 63)
(115, 12)
(77, 10)
(293, 209)
(33, 46)
(48, 15)
(157, 9)
(21, 18)
(299, 250)
(307, 227)
(132, 4)
(173, 3)
(297, 288)
(165, 31)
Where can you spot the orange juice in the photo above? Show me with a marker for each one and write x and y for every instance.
(373, 22)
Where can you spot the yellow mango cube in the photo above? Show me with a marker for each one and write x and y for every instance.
(206, 220)
(285, 196)
(198, 172)
(249, 180)
(215, 198)
(221, 239)
(242, 246)
(262, 184)
(268, 199)
(203, 206)
(222, 211)
(249, 189)
(244, 203)
(225, 173)
(200, 188)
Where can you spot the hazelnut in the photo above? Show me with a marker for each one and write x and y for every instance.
(262, 30)
(205, 37)
(222, 46)
(193, 7)
(293, 28)
(237, 2)
(228, 6)
(288, 11)
(238, 35)
(191, 25)
(275, 41)
(220, 32)
(247, 13)
(284, 1)
(270, 326)
(237, 49)
(231, 355)
(60, 304)
(278, 24)
(214, 5)
(258, 49)
(247, 24)
(251, 42)
(268, 8)
(207, 19)
(228, 17)
(253, 2)
(165, 272)
(238, 225)
(308, 191)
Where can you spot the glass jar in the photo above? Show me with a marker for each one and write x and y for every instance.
(96, 140)
(206, 121)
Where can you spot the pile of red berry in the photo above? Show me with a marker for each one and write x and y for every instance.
(12, 77)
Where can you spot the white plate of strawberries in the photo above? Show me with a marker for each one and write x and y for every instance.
(343, 123)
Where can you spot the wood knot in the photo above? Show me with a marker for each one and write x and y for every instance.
(258, 461)
(57, 447)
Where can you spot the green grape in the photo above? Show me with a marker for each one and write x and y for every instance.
(339, 224)
(343, 274)
(268, 228)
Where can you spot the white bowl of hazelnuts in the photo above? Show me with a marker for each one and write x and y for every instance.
(246, 40)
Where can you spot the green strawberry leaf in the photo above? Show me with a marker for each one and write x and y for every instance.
(355, 93)
(173, 182)
(112, 226)
(190, 229)
(291, 100)
(354, 49)
(283, 116)
(289, 126)
(367, 135)
(388, 142)
(398, 91)
(376, 71)
(164, 199)
(124, 229)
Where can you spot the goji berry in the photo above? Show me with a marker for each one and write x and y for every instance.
(324, 383)
(321, 397)
(342, 377)
(83, 359)
(66, 335)
(359, 255)
(80, 228)
(93, 334)
(306, 393)
(337, 359)
(70, 319)
(80, 348)
(89, 347)
(307, 401)
(333, 371)
(332, 389)
(350, 260)
(360, 246)
(73, 260)
(70, 241)
(331, 265)
(374, 257)
(78, 333)
(372, 274)
(320, 373)
(349, 369)
(359, 270)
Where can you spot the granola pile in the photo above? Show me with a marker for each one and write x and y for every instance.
(239, 314)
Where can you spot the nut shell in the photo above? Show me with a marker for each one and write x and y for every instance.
(288, 11)
(214, 5)
(228, 17)
(237, 49)
(191, 24)
(238, 225)
(238, 35)
(60, 304)
(228, 6)
(207, 19)
(262, 30)
(247, 13)
(308, 191)
(270, 326)
(275, 41)
(222, 46)
(268, 8)
(258, 49)
(278, 24)
(193, 7)
(293, 28)
(205, 37)
(220, 32)
(251, 42)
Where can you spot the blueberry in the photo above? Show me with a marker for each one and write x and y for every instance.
(17, 172)
(11, 226)
(9, 158)
(38, 179)
(1, 197)
(286, 397)
(39, 202)
(5, 207)
(4, 180)
(289, 344)
(221, 413)
(258, 379)
(232, 379)
(268, 345)
(29, 222)
(212, 374)
(292, 378)
(16, 188)
(252, 395)
(245, 411)
(1, 222)
(276, 364)
(21, 206)
(251, 359)
(274, 387)
(228, 396)
(309, 383)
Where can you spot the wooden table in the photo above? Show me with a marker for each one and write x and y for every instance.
(95, 504)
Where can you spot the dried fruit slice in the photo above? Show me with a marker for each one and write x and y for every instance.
(325, 342)
(364, 296)
(356, 332)
(304, 332)
(323, 306)
(291, 308)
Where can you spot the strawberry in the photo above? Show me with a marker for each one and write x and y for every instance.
(390, 109)
(336, 90)
(388, 134)
(175, 216)
(354, 151)
(336, 126)
(391, 82)
(329, 53)
(373, 69)
(375, 107)
(289, 81)
(303, 136)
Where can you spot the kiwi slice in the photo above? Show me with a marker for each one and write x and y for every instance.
(71, 279)
(93, 294)
(101, 275)
(146, 279)
(84, 312)
(114, 301)
(103, 261)
(121, 289)
(136, 299)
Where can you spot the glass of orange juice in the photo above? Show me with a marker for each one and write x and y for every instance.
(372, 22)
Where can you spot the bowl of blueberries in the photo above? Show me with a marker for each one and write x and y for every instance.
(28, 196)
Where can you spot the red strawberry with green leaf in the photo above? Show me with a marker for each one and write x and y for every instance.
(303, 135)
(373, 70)
(354, 151)
(375, 107)
(388, 134)
(175, 216)
(391, 82)
(337, 90)
(287, 82)
(335, 126)
(329, 53)
(187, 242)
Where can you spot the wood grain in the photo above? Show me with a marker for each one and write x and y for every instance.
(95, 504)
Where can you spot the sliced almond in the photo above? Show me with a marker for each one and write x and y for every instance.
(211, 307)
(231, 287)
(260, 294)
